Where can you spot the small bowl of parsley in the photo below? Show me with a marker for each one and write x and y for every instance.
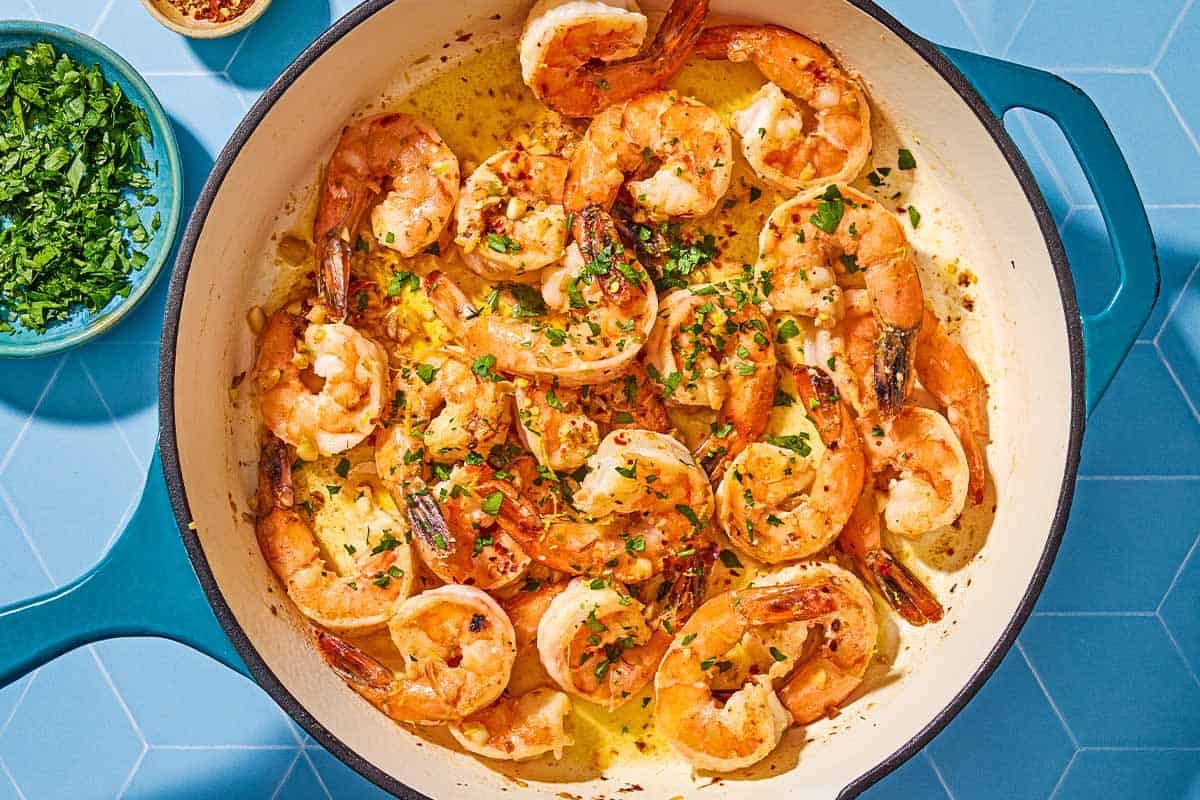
(90, 188)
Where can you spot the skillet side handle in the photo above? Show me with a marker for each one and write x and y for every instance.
(1107, 334)
(144, 586)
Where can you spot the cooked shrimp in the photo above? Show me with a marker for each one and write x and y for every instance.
(820, 681)
(395, 155)
(457, 647)
(463, 411)
(554, 425)
(709, 350)
(945, 369)
(456, 531)
(919, 456)
(608, 320)
(525, 610)
(596, 643)
(862, 540)
(679, 146)
(582, 56)
(358, 602)
(747, 726)
(761, 501)
(320, 384)
(813, 237)
(510, 219)
(810, 125)
(516, 728)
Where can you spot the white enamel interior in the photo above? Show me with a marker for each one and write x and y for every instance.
(1022, 343)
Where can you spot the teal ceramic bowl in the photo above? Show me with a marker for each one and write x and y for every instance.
(168, 186)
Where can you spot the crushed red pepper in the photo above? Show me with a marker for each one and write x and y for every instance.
(212, 10)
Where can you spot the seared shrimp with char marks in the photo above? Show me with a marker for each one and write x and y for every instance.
(396, 156)
(812, 239)
(712, 349)
(510, 219)
(582, 56)
(457, 647)
(320, 384)
(611, 308)
(675, 152)
(729, 734)
(518, 727)
(773, 503)
(355, 603)
(810, 125)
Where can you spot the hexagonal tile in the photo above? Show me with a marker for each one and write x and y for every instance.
(24, 386)
(915, 778)
(70, 713)
(1021, 125)
(21, 574)
(1177, 70)
(208, 774)
(1165, 774)
(342, 782)
(17, 9)
(1093, 571)
(148, 46)
(995, 22)
(1006, 742)
(1179, 339)
(1119, 428)
(94, 469)
(1073, 33)
(193, 700)
(1118, 680)
(284, 30)
(126, 375)
(1177, 235)
(1178, 610)
(80, 16)
(1086, 239)
(938, 21)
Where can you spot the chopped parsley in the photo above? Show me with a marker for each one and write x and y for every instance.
(905, 160)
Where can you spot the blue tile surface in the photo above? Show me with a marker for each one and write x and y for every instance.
(1102, 700)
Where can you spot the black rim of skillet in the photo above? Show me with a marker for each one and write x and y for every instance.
(268, 680)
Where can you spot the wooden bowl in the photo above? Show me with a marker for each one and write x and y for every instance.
(171, 17)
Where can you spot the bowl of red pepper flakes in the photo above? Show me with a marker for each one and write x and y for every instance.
(206, 19)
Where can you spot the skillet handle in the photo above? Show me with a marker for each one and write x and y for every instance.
(144, 586)
(1107, 334)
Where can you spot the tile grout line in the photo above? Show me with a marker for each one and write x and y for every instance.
(12, 780)
(316, 773)
(1041, 685)
(11, 507)
(100, 20)
(1187, 399)
(1175, 578)
(1187, 665)
(1175, 110)
(1170, 37)
(1061, 778)
(133, 771)
(237, 51)
(937, 772)
(1012, 38)
(287, 773)
(1051, 167)
(205, 748)
(33, 9)
(1187, 282)
(37, 405)
(112, 418)
(970, 23)
(117, 694)
(183, 73)
(1132, 749)
(1083, 69)
(20, 699)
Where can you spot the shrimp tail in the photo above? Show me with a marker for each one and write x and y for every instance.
(893, 368)
(333, 276)
(275, 477)
(902, 590)
(599, 240)
(453, 307)
(685, 582)
(357, 668)
(426, 519)
(771, 605)
(677, 36)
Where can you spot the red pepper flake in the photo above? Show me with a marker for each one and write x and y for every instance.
(212, 10)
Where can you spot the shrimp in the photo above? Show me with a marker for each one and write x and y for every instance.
(517, 728)
(395, 155)
(711, 349)
(554, 425)
(819, 682)
(596, 642)
(456, 530)
(320, 384)
(920, 457)
(582, 56)
(813, 237)
(355, 603)
(610, 315)
(862, 540)
(945, 369)
(746, 727)
(810, 125)
(457, 649)
(510, 219)
(678, 146)
(760, 501)
(525, 610)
